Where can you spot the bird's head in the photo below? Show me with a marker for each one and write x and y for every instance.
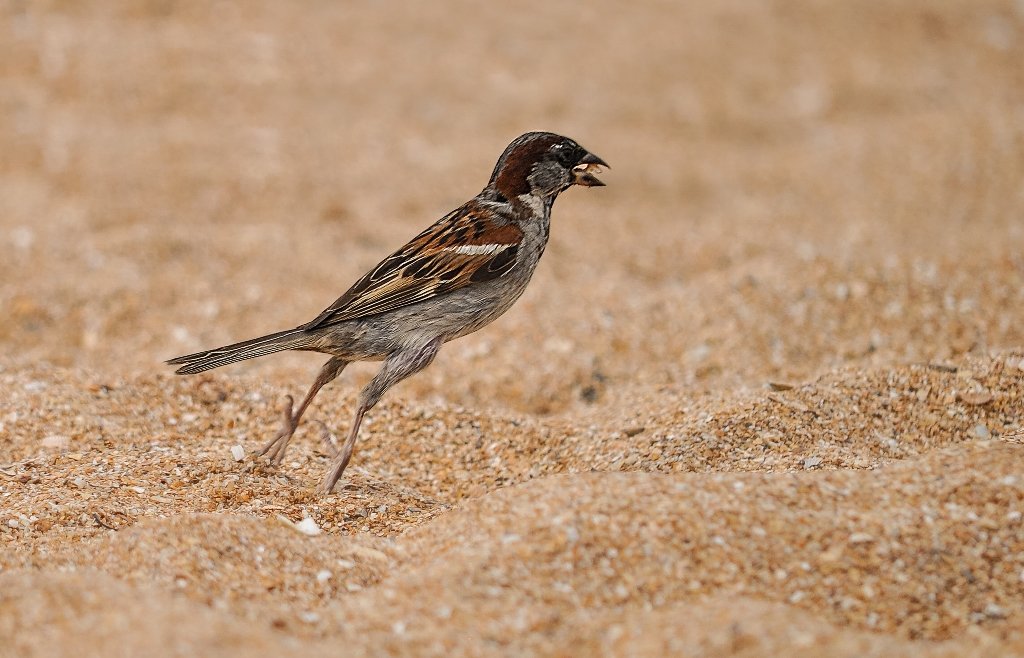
(544, 164)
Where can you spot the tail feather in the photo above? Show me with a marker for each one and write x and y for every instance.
(291, 339)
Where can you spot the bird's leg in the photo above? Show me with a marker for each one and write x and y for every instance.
(397, 367)
(276, 447)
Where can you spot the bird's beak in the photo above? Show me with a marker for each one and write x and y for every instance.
(583, 172)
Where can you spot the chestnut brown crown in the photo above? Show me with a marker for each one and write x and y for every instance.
(544, 164)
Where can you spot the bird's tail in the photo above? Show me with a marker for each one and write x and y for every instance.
(293, 339)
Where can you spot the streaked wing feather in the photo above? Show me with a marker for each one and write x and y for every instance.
(429, 266)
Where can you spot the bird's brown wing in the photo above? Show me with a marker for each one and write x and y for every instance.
(470, 245)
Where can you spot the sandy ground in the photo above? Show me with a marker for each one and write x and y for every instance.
(763, 396)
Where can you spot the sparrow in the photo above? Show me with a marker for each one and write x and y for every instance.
(454, 278)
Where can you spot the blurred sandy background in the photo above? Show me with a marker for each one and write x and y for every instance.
(801, 293)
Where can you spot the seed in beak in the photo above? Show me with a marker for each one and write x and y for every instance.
(584, 174)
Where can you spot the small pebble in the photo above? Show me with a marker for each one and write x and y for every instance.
(811, 462)
(994, 611)
(308, 526)
(59, 441)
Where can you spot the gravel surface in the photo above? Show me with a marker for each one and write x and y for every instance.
(763, 396)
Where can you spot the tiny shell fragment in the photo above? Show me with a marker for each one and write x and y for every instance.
(59, 441)
(308, 526)
(975, 397)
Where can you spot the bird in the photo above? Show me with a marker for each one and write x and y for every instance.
(452, 279)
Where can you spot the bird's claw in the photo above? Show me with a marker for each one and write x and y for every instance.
(275, 448)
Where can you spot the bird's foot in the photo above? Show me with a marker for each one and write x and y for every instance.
(335, 470)
(275, 448)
